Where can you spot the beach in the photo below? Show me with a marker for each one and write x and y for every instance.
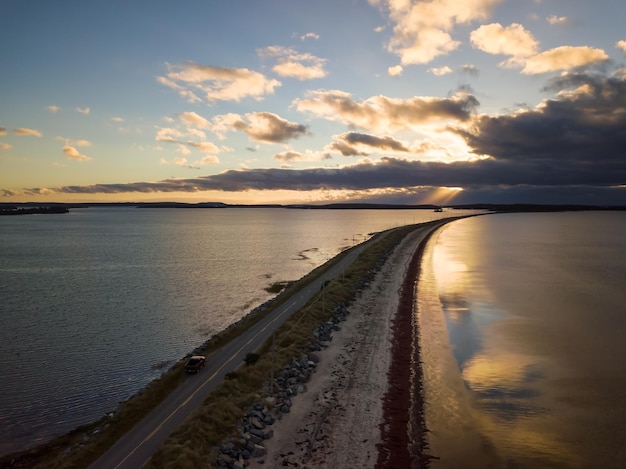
(349, 415)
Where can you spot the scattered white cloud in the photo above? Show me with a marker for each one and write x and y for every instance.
(53, 108)
(73, 154)
(5, 146)
(553, 19)
(563, 58)
(24, 132)
(194, 119)
(117, 119)
(183, 92)
(182, 149)
(512, 40)
(168, 134)
(440, 71)
(293, 64)
(217, 83)
(208, 159)
(522, 48)
(422, 30)
(621, 45)
(75, 143)
(3, 131)
(83, 110)
(306, 36)
(207, 147)
(395, 71)
(180, 161)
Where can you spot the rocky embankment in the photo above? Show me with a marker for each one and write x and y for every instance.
(328, 408)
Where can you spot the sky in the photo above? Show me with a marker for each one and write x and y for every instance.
(299, 101)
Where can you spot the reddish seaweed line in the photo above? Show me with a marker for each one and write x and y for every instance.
(403, 435)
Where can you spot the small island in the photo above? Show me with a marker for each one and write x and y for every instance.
(8, 210)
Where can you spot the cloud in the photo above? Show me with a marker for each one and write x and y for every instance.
(384, 113)
(24, 132)
(264, 127)
(291, 156)
(518, 43)
(440, 71)
(181, 138)
(358, 144)
(422, 28)
(83, 110)
(169, 135)
(470, 70)
(563, 58)
(5, 146)
(73, 154)
(293, 64)
(53, 108)
(387, 173)
(395, 71)
(117, 119)
(217, 83)
(183, 92)
(553, 19)
(621, 45)
(193, 119)
(207, 147)
(75, 143)
(309, 36)
(576, 138)
(269, 128)
(3, 131)
(208, 159)
(511, 40)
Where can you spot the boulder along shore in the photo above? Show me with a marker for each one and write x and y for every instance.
(363, 405)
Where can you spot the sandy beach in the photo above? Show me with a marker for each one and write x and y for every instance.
(343, 418)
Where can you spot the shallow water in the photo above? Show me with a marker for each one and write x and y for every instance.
(523, 318)
(98, 302)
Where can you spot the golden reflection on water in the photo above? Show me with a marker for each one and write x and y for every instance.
(505, 383)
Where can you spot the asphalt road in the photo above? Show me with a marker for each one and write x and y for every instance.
(136, 447)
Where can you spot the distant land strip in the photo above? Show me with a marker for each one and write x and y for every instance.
(58, 207)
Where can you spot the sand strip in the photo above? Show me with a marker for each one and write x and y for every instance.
(337, 423)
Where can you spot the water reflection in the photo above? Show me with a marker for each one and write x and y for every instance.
(505, 384)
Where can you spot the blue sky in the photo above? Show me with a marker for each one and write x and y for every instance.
(290, 101)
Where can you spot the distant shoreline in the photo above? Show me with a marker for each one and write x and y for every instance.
(61, 207)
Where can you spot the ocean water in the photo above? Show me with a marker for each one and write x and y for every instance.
(522, 322)
(96, 303)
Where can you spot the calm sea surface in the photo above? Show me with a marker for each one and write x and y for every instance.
(96, 303)
(523, 319)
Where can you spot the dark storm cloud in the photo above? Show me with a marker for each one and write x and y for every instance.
(388, 173)
(583, 129)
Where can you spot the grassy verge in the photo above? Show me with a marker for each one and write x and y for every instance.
(193, 444)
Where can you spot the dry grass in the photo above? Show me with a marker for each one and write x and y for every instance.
(211, 424)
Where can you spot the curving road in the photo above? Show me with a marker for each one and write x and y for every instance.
(136, 447)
